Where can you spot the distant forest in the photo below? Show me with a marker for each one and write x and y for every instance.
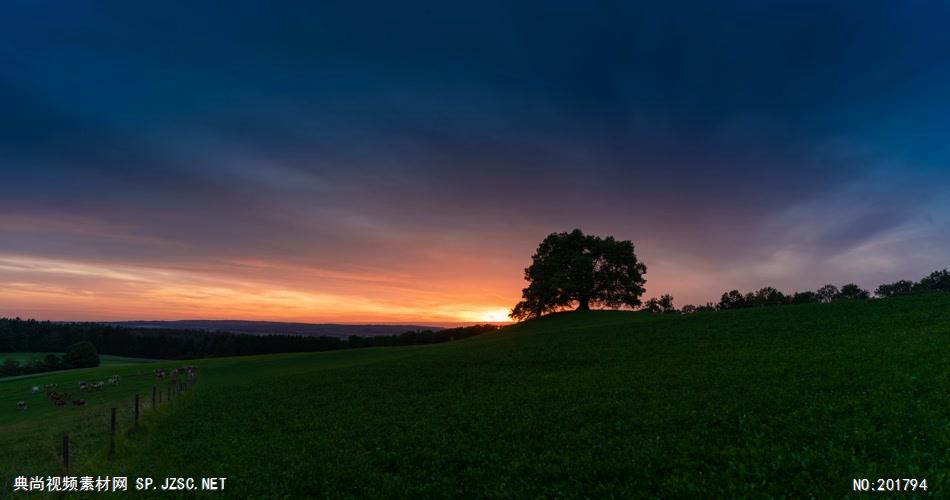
(18, 335)
(937, 281)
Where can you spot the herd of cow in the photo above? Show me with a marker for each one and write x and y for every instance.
(63, 398)
(184, 370)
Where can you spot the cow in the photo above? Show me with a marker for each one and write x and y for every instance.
(21, 405)
(79, 402)
(36, 389)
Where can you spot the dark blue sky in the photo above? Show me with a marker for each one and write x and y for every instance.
(392, 161)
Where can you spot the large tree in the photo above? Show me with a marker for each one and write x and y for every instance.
(575, 269)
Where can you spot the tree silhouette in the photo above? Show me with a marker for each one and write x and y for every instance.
(804, 298)
(732, 299)
(81, 355)
(852, 291)
(571, 269)
(937, 281)
(902, 287)
(664, 304)
(769, 296)
(827, 293)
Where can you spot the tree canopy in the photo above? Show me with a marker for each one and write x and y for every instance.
(81, 355)
(574, 269)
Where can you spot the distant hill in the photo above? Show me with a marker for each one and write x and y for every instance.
(276, 327)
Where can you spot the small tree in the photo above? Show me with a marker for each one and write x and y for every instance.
(804, 298)
(664, 304)
(827, 293)
(709, 306)
(53, 362)
(937, 281)
(732, 299)
(769, 296)
(652, 305)
(902, 287)
(574, 269)
(852, 291)
(81, 355)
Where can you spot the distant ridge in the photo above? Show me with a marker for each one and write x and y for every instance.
(277, 327)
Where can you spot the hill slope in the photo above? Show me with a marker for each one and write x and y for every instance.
(787, 401)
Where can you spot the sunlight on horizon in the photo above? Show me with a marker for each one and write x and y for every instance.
(65, 290)
(495, 316)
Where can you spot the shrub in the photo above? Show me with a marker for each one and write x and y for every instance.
(81, 355)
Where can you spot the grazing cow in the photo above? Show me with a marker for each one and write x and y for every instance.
(79, 402)
(114, 380)
(36, 389)
(21, 405)
(83, 386)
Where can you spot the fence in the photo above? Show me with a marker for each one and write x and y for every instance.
(174, 389)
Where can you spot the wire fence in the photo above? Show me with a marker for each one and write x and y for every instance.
(121, 419)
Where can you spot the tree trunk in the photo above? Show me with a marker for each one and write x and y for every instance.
(583, 304)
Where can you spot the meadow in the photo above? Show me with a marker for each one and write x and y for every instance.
(789, 401)
(104, 359)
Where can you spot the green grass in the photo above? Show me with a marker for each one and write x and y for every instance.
(780, 402)
(104, 359)
(31, 439)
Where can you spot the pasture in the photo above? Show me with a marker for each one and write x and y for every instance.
(791, 401)
(31, 438)
(104, 359)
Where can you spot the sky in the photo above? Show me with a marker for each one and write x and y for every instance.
(400, 161)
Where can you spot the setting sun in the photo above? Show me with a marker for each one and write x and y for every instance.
(499, 315)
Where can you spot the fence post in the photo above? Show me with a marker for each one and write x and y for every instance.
(112, 433)
(136, 409)
(66, 453)
(153, 397)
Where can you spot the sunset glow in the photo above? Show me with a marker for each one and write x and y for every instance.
(363, 172)
(101, 292)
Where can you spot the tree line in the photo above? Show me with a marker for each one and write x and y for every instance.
(937, 281)
(79, 355)
(581, 270)
(19, 335)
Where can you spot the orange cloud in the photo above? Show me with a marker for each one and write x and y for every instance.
(61, 289)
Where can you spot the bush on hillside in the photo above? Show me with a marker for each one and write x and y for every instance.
(81, 355)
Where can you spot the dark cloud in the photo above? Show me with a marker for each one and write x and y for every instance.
(343, 136)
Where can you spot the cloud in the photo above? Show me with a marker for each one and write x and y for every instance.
(331, 156)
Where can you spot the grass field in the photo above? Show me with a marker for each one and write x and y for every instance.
(31, 439)
(104, 359)
(791, 401)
